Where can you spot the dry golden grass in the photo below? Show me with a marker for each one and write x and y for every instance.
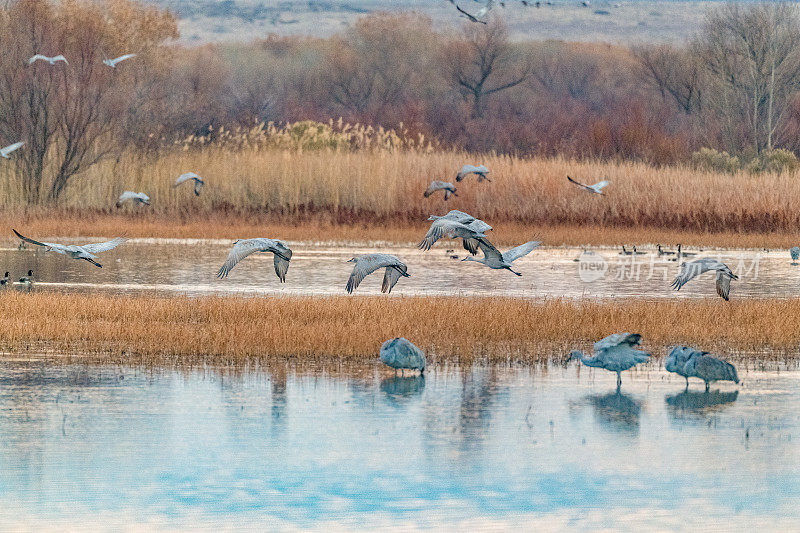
(86, 223)
(233, 329)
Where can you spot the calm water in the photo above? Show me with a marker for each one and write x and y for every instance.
(485, 446)
(190, 266)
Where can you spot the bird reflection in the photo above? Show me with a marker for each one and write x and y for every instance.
(400, 388)
(616, 411)
(699, 402)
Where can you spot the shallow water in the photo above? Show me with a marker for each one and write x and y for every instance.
(479, 447)
(190, 266)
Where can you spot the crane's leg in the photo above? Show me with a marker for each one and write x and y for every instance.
(687, 382)
(706, 386)
(619, 380)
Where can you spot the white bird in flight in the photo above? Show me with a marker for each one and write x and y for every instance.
(51, 60)
(113, 62)
(436, 185)
(4, 152)
(494, 258)
(447, 227)
(692, 269)
(479, 171)
(242, 248)
(614, 353)
(87, 252)
(597, 188)
(139, 198)
(369, 263)
(198, 181)
(482, 12)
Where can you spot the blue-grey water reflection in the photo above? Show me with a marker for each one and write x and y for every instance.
(479, 447)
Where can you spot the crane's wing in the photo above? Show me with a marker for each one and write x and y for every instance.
(436, 232)
(579, 184)
(433, 187)
(98, 247)
(723, 285)
(32, 60)
(61, 58)
(599, 185)
(489, 250)
(366, 265)
(282, 256)
(11, 147)
(460, 216)
(127, 195)
(55, 246)
(242, 249)
(470, 17)
(520, 251)
(122, 58)
(183, 178)
(689, 271)
(617, 339)
(390, 277)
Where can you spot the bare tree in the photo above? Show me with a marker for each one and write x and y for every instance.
(675, 73)
(752, 54)
(483, 62)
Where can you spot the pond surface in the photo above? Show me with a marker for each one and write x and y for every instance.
(95, 446)
(190, 267)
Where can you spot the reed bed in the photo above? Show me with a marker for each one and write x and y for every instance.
(157, 330)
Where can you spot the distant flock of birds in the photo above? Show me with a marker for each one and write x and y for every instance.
(480, 16)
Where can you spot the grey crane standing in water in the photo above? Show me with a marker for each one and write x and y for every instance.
(614, 353)
(692, 269)
(400, 353)
(87, 252)
(597, 188)
(475, 224)
(244, 247)
(138, 198)
(436, 185)
(4, 152)
(369, 263)
(494, 258)
(795, 253)
(191, 176)
(677, 359)
(709, 368)
(479, 171)
(447, 227)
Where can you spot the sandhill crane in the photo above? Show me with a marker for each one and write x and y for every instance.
(479, 171)
(87, 252)
(243, 248)
(113, 62)
(664, 252)
(369, 263)
(191, 176)
(436, 185)
(682, 254)
(677, 359)
(625, 252)
(4, 152)
(597, 188)
(795, 253)
(614, 353)
(475, 224)
(493, 258)
(694, 268)
(138, 198)
(447, 227)
(4, 280)
(709, 368)
(51, 60)
(482, 12)
(400, 353)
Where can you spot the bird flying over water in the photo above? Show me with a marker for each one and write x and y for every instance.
(369, 263)
(137, 197)
(113, 62)
(475, 224)
(193, 176)
(436, 185)
(692, 269)
(242, 248)
(4, 152)
(597, 188)
(479, 171)
(494, 258)
(446, 227)
(87, 252)
(614, 353)
(51, 60)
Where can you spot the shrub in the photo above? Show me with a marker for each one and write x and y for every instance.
(776, 161)
(712, 160)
